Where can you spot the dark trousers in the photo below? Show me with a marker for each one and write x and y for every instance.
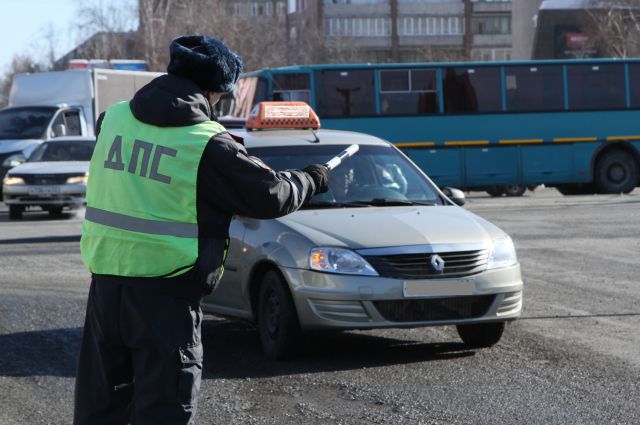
(141, 357)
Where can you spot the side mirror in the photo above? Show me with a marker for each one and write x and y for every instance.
(456, 195)
(59, 130)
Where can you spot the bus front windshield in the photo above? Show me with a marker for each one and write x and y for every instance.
(375, 175)
(25, 123)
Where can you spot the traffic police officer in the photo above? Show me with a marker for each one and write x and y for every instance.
(165, 180)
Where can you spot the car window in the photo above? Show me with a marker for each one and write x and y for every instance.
(25, 123)
(62, 151)
(375, 172)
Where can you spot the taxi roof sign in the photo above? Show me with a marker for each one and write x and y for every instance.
(282, 115)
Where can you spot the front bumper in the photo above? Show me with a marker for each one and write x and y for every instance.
(58, 195)
(332, 301)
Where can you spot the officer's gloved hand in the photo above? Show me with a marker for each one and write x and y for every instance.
(320, 175)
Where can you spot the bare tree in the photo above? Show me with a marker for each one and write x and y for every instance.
(104, 22)
(19, 64)
(616, 28)
(258, 37)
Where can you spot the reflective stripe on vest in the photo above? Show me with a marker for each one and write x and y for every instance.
(141, 217)
(134, 224)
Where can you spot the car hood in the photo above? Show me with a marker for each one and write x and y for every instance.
(53, 167)
(375, 227)
(18, 145)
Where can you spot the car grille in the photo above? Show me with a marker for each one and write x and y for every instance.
(434, 309)
(46, 179)
(418, 266)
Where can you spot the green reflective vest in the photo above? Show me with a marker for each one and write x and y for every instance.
(141, 218)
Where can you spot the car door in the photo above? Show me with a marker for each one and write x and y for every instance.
(228, 294)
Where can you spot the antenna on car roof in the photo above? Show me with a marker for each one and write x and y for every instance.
(316, 139)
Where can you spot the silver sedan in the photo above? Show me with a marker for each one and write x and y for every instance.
(54, 177)
(384, 247)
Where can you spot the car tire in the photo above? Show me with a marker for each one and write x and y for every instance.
(15, 212)
(55, 211)
(481, 335)
(616, 172)
(278, 325)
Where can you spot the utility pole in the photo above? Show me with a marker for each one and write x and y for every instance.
(394, 30)
(468, 35)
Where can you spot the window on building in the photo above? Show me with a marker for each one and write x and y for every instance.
(534, 88)
(346, 93)
(408, 92)
(472, 90)
(491, 24)
(355, 1)
(592, 86)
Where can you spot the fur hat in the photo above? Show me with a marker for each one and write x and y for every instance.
(205, 61)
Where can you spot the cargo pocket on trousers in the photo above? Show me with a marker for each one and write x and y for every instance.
(190, 373)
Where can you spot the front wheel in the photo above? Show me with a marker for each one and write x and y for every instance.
(55, 211)
(15, 212)
(278, 324)
(481, 335)
(616, 172)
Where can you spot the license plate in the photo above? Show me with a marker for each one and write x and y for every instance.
(438, 288)
(44, 190)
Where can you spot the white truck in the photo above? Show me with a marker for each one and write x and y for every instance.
(46, 105)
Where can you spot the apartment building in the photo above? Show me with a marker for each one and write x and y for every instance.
(399, 30)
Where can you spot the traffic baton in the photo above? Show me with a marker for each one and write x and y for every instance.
(337, 160)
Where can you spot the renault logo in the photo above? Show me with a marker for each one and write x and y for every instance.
(437, 263)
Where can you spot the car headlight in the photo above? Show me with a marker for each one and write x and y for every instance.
(78, 179)
(9, 180)
(503, 254)
(339, 260)
(14, 160)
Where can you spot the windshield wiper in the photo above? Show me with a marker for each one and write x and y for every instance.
(332, 204)
(383, 202)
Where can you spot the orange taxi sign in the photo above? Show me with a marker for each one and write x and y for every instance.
(282, 115)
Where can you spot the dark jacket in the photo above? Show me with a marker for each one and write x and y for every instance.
(229, 181)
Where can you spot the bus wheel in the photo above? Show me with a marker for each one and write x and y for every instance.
(515, 189)
(616, 172)
(495, 191)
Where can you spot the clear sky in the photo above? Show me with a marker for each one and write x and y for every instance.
(23, 24)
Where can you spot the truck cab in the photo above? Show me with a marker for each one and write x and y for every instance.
(46, 105)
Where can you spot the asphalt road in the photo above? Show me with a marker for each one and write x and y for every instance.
(573, 358)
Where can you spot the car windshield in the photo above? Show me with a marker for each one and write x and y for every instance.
(63, 151)
(375, 175)
(25, 123)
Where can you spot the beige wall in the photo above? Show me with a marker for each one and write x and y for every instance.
(523, 28)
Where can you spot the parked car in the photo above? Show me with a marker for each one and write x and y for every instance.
(54, 177)
(384, 247)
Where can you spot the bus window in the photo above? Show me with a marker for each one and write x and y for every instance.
(291, 87)
(596, 86)
(534, 88)
(472, 90)
(408, 92)
(247, 92)
(634, 82)
(345, 93)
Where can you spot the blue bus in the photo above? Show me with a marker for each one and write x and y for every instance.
(572, 124)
